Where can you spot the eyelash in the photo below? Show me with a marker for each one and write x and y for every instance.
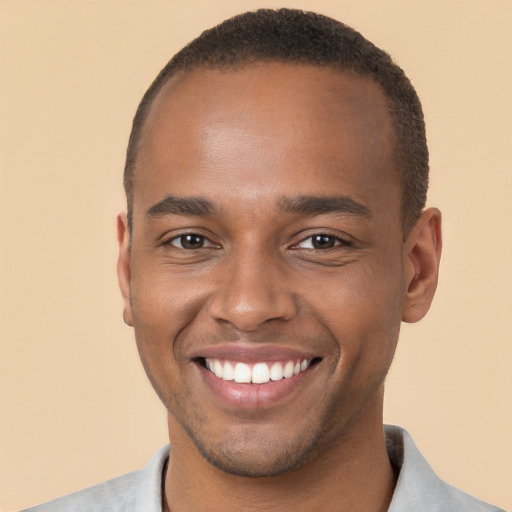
(182, 236)
(336, 240)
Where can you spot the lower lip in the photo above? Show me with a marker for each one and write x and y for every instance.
(253, 396)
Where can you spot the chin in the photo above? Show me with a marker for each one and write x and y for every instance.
(251, 456)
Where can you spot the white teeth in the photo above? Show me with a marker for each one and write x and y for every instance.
(276, 371)
(288, 369)
(242, 373)
(260, 373)
(229, 371)
(217, 369)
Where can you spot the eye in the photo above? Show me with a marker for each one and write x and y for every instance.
(321, 241)
(190, 241)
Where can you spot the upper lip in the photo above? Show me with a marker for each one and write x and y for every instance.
(251, 353)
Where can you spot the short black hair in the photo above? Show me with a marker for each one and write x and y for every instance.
(295, 36)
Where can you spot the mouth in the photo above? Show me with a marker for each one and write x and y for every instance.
(248, 376)
(261, 372)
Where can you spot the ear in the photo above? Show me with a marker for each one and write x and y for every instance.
(422, 253)
(123, 266)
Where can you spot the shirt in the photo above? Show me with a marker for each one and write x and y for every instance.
(418, 488)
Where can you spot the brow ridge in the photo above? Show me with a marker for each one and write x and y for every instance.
(308, 205)
(318, 205)
(172, 205)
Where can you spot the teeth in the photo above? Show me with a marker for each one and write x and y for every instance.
(260, 373)
(218, 369)
(276, 371)
(229, 371)
(288, 369)
(242, 373)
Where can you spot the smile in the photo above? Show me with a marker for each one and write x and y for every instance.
(249, 377)
(258, 373)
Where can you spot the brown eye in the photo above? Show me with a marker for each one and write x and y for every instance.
(189, 241)
(322, 241)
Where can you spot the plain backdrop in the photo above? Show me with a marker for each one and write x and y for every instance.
(75, 405)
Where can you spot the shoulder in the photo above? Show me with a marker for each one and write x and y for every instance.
(418, 487)
(133, 492)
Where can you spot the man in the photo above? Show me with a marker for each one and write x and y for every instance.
(275, 240)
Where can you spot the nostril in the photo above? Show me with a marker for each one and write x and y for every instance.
(247, 301)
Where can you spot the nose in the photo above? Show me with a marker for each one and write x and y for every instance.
(253, 291)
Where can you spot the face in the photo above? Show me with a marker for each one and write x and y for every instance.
(266, 276)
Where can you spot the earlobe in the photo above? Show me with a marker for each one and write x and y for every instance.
(123, 266)
(422, 253)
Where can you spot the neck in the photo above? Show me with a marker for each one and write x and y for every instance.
(353, 475)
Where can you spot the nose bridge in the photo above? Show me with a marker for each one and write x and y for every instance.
(253, 289)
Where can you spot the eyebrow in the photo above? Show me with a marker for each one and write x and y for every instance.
(171, 205)
(313, 205)
(309, 205)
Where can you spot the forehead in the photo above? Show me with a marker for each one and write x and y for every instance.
(302, 127)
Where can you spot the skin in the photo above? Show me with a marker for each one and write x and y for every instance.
(253, 143)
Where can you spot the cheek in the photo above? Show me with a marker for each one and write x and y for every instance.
(163, 301)
(362, 306)
(163, 308)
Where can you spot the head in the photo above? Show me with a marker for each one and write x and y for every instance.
(273, 248)
(297, 37)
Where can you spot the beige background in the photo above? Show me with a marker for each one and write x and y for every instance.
(75, 407)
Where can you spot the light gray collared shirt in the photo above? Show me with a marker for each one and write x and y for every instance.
(418, 488)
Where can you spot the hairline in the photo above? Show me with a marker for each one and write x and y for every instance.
(157, 88)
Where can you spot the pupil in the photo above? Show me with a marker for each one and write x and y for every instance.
(323, 241)
(192, 241)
